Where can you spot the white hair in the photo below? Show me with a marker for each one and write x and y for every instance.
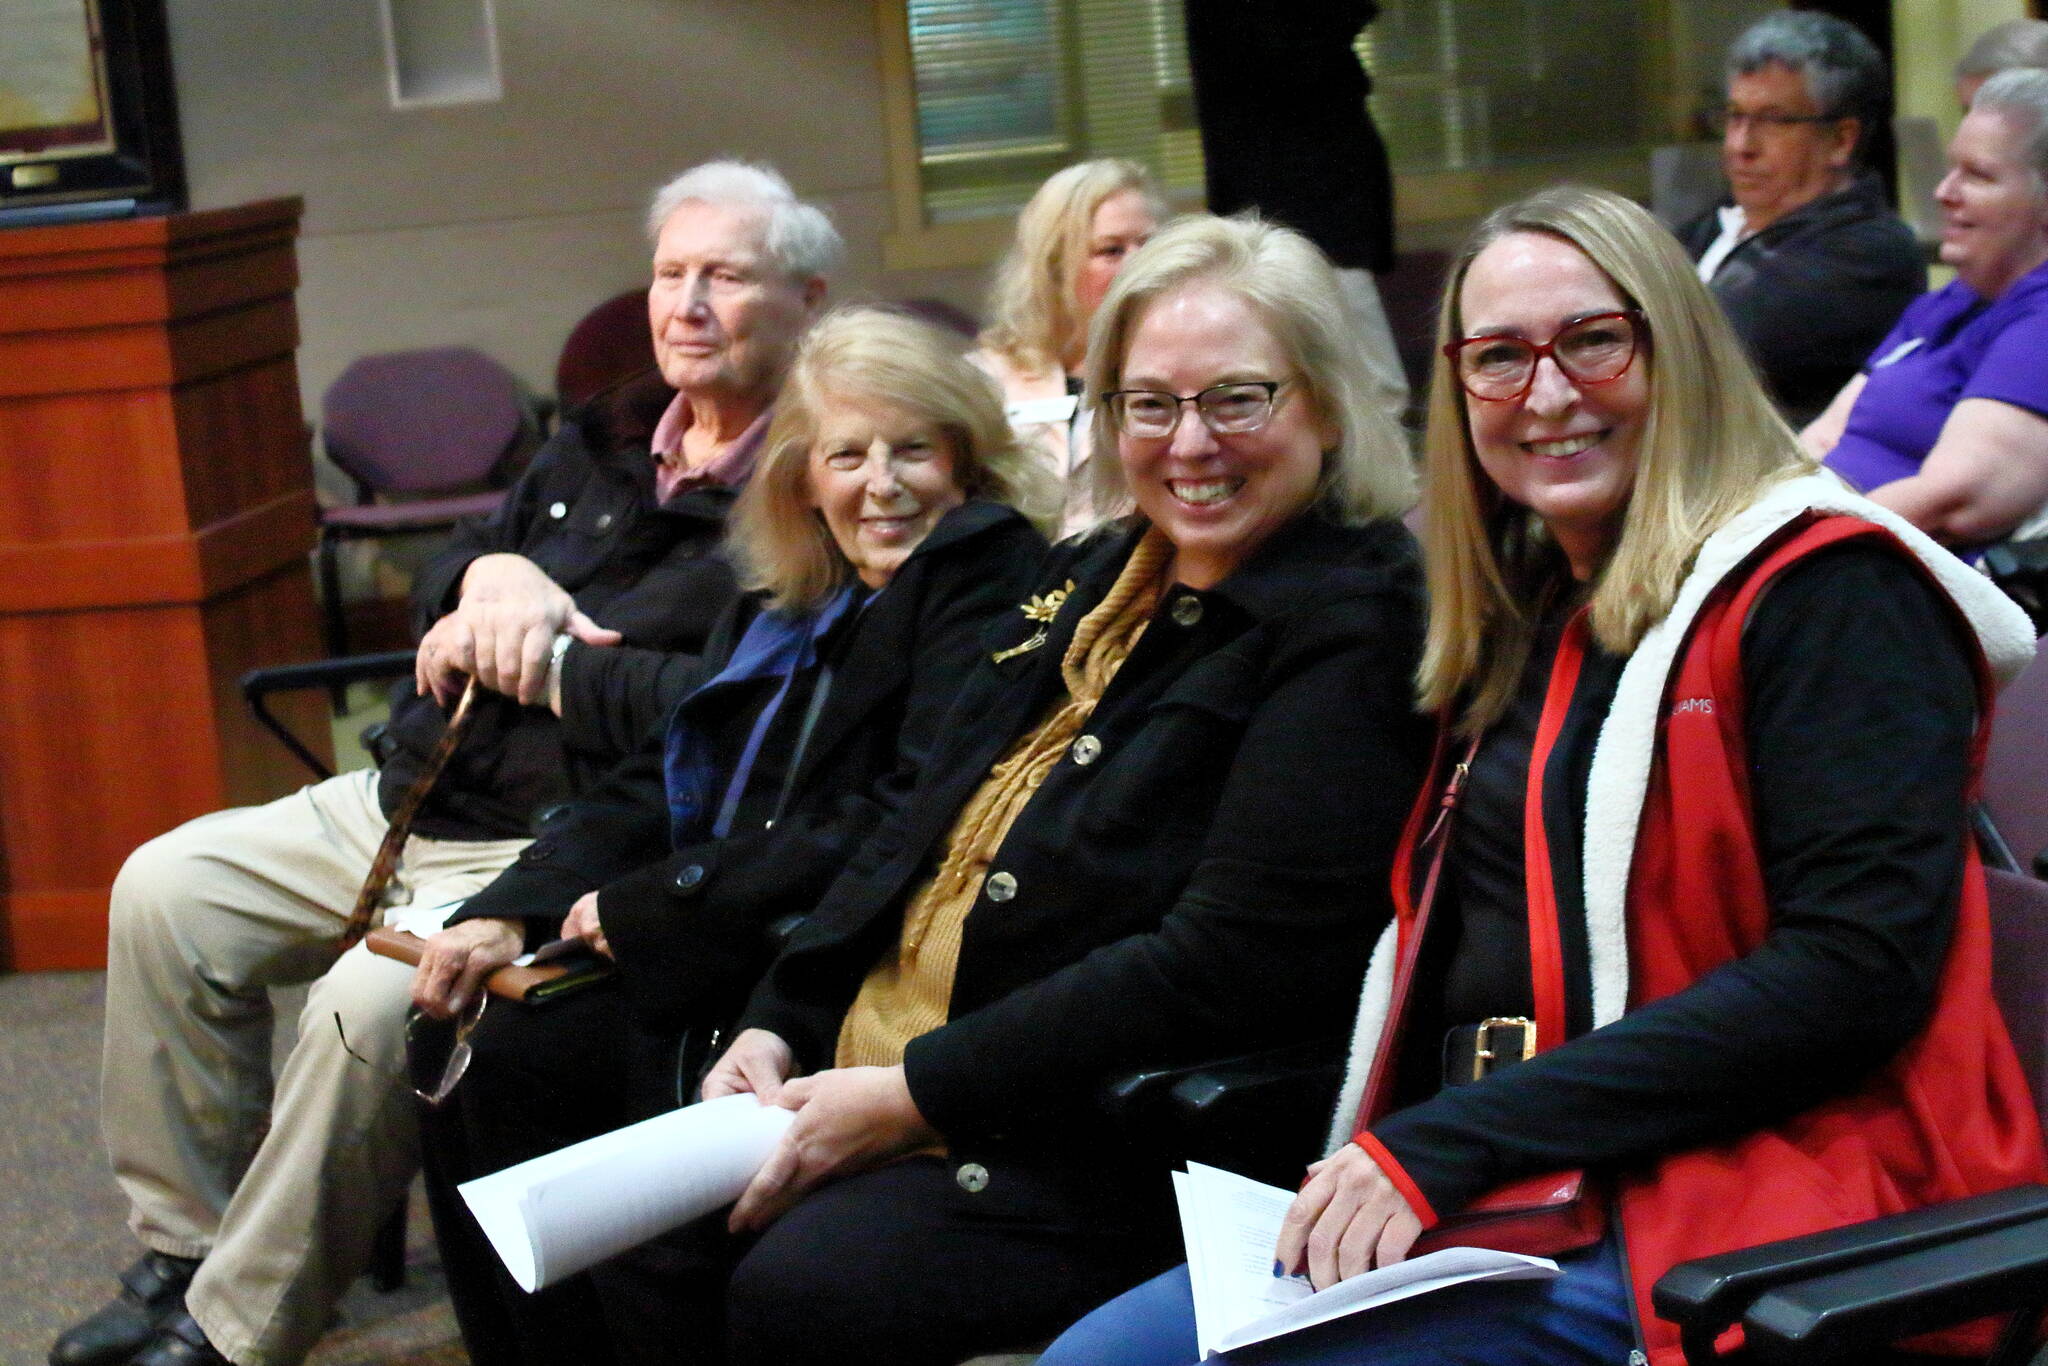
(2015, 43)
(2020, 94)
(799, 237)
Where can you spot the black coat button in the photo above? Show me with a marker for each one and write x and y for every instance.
(540, 851)
(689, 877)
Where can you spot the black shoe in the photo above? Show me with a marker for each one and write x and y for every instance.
(179, 1342)
(152, 1291)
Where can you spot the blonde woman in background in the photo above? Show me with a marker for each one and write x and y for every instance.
(1072, 239)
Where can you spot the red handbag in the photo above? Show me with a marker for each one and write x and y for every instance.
(1538, 1216)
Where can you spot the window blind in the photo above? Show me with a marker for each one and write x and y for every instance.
(1009, 91)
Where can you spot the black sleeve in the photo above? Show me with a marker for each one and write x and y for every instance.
(617, 698)
(693, 927)
(617, 824)
(1287, 895)
(437, 587)
(1811, 315)
(1860, 709)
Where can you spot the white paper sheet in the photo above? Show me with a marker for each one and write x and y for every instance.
(424, 921)
(1230, 1224)
(561, 1213)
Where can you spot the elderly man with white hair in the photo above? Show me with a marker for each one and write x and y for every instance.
(255, 1213)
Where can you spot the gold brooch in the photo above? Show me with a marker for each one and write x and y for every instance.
(1042, 609)
(1047, 606)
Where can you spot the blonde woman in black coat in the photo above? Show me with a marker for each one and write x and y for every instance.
(1160, 829)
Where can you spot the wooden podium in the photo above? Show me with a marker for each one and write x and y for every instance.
(156, 509)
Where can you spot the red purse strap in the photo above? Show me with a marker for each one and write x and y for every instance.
(1436, 839)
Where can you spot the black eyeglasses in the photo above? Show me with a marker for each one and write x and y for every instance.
(1765, 121)
(1225, 409)
(437, 1052)
(1596, 349)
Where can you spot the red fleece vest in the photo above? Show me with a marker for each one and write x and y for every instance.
(1950, 1116)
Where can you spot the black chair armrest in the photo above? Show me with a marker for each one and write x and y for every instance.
(1854, 1315)
(259, 684)
(1206, 1086)
(1705, 1296)
(1259, 1114)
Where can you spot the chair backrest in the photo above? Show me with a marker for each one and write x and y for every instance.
(2016, 773)
(942, 314)
(422, 421)
(611, 342)
(2019, 971)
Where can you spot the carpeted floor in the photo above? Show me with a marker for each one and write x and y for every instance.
(62, 1229)
(62, 1234)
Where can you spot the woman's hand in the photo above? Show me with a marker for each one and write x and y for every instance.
(758, 1061)
(1821, 434)
(1348, 1219)
(581, 923)
(456, 961)
(848, 1120)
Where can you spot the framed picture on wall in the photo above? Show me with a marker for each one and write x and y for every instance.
(88, 114)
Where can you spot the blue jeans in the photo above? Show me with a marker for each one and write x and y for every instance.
(1578, 1319)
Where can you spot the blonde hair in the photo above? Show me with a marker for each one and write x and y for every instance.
(1710, 443)
(1034, 322)
(865, 354)
(1288, 283)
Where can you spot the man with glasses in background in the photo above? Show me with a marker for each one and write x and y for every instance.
(1808, 260)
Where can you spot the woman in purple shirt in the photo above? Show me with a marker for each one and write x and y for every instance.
(1948, 423)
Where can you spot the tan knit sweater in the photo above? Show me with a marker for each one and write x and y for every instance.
(909, 993)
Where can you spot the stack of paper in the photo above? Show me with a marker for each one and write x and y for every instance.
(559, 1214)
(1231, 1223)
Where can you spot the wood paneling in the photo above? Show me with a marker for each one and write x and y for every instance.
(156, 509)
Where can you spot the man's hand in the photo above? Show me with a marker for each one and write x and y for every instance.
(1348, 1219)
(758, 1061)
(509, 614)
(457, 960)
(581, 923)
(848, 1120)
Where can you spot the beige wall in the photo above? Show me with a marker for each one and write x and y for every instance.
(1928, 36)
(499, 224)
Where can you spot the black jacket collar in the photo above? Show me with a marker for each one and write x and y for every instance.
(1276, 577)
(1862, 197)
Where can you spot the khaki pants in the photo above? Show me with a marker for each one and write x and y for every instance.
(282, 1197)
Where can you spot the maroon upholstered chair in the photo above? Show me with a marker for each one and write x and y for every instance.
(424, 435)
(2016, 774)
(610, 343)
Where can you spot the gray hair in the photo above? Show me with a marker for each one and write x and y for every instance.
(2021, 95)
(2015, 43)
(1844, 72)
(799, 236)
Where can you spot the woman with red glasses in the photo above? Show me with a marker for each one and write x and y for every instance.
(1702, 920)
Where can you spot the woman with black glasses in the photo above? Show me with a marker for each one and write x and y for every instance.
(1160, 831)
(1689, 905)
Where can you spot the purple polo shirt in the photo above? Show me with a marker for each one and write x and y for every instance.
(1949, 345)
